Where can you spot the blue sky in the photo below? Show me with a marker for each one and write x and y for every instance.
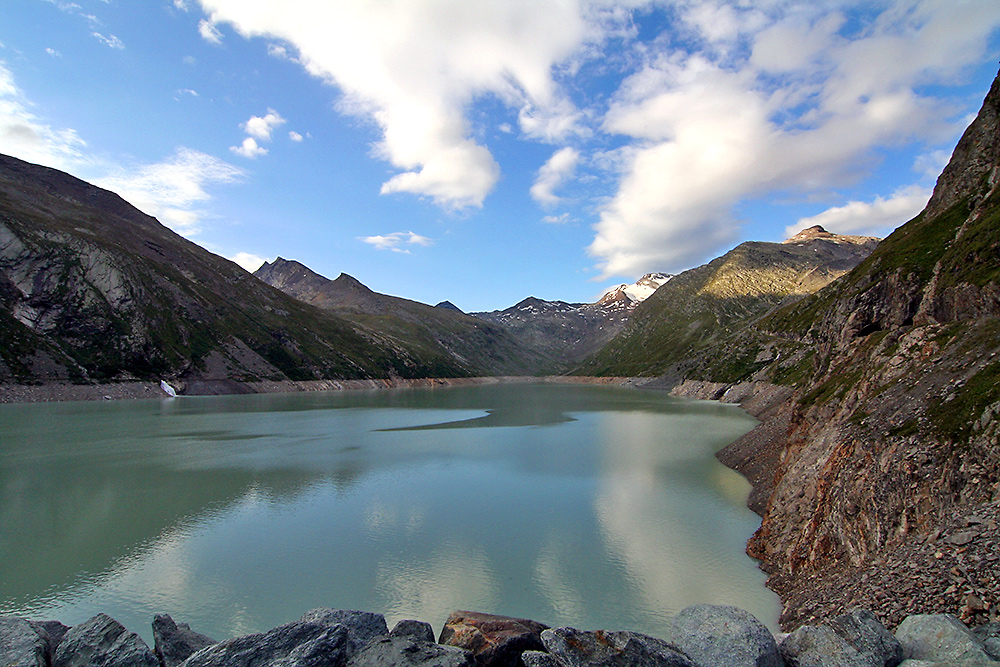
(482, 151)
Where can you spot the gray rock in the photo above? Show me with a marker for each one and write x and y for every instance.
(722, 636)
(538, 659)
(577, 648)
(51, 631)
(939, 638)
(989, 635)
(951, 663)
(819, 646)
(868, 637)
(20, 644)
(406, 652)
(290, 645)
(102, 641)
(362, 626)
(416, 630)
(173, 643)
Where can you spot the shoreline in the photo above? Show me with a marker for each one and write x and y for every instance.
(119, 391)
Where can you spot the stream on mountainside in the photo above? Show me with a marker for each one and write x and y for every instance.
(597, 507)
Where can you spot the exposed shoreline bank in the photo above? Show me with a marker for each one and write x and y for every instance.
(53, 392)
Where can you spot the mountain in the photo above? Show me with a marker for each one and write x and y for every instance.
(893, 437)
(470, 344)
(91, 289)
(686, 325)
(569, 332)
(628, 296)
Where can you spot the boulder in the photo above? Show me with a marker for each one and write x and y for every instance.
(362, 626)
(291, 645)
(989, 635)
(21, 645)
(416, 630)
(51, 631)
(723, 636)
(578, 648)
(819, 646)
(494, 641)
(408, 652)
(173, 643)
(868, 637)
(939, 638)
(102, 641)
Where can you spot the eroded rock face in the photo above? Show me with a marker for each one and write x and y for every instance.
(362, 626)
(494, 641)
(416, 630)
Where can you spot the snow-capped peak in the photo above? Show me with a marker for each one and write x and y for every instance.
(636, 292)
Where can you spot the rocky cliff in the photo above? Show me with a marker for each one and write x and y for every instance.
(91, 289)
(884, 468)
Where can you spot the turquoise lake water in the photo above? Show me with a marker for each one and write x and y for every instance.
(595, 507)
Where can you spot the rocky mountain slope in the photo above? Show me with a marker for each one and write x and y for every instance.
(686, 327)
(569, 332)
(91, 289)
(439, 331)
(893, 437)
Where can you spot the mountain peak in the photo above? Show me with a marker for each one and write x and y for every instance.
(814, 232)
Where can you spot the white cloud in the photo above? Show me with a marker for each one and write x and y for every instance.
(171, 190)
(560, 219)
(109, 40)
(551, 175)
(876, 218)
(396, 241)
(209, 32)
(783, 98)
(260, 127)
(181, 5)
(415, 66)
(249, 149)
(23, 135)
(248, 261)
(52, 52)
(295, 136)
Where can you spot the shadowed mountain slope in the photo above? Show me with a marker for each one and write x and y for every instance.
(477, 346)
(91, 289)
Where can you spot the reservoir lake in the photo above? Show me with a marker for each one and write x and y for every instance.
(590, 506)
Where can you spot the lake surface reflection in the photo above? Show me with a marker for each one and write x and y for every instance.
(594, 507)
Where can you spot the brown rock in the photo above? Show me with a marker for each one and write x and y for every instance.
(494, 641)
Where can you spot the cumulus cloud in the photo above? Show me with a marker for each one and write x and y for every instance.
(397, 241)
(172, 189)
(295, 136)
(414, 67)
(794, 98)
(558, 167)
(260, 127)
(248, 261)
(249, 149)
(875, 218)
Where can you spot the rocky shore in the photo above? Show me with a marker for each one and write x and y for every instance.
(952, 568)
(700, 636)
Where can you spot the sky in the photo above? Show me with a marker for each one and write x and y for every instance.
(484, 151)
